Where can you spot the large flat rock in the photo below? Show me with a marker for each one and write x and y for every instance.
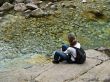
(23, 75)
(63, 72)
(96, 55)
(99, 73)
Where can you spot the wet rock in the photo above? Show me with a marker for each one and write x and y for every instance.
(94, 15)
(84, 1)
(1, 13)
(31, 6)
(70, 5)
(6, 6)
(20, 7)
(36, 2)
(49, 4)
(100, 73)
(53, 7)
(0, 18)
(39, 3)
(19, 1)
(3, 1)
(38, 13)
(27, 13)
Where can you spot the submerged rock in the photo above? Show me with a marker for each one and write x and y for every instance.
(31, 6)
(53, 7)
(94, 15)
(104, 50)
(3, 1)
(19, 1)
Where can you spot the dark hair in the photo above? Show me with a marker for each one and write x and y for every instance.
(71, 35)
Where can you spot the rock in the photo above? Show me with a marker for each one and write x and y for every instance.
(93, 70)
(19, 1)
(99, 73)
(54, 7)
(31, 6)
(27, 13)
(71, 72)
(104, 50)
(39, 3)
(20, 7)
(36, 2)
(38, 13)
(84, 1)
(68, 5)
(6, 6)
(1, 13)
(62, 72)
(93, 15)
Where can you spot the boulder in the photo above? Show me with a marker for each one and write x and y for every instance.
(0, 18)
(84, 1)
(3, 1)
(20, 7)
(54, 7)
(99, 73)
(34, 1)
(6, 6)
(104, 50)
(27, 13)
(31, 6)
(1, 13)
(38, 13)
(48, 4)
(66, 5)
(19, 1)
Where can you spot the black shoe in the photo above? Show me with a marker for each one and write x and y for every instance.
(55, 62)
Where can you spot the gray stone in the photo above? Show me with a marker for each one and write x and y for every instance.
(64, 72)
(27, 13)
(36, 2)
(100, 73)
(3, 1)
(54, 7)
(19, 1)
(20, 7)
(6, 6)
(68, 5)
(0, 18)
(1, 13)
(38, 13)
(23, 75)
(48, 4)
(31, 6)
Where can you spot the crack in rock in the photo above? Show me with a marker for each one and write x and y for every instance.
(33, 78)
(71, 79)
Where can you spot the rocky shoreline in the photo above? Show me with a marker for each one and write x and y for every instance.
(95, 69)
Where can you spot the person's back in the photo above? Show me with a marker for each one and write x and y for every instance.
(69, 52)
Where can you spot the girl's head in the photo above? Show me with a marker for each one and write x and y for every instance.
(71, 38)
